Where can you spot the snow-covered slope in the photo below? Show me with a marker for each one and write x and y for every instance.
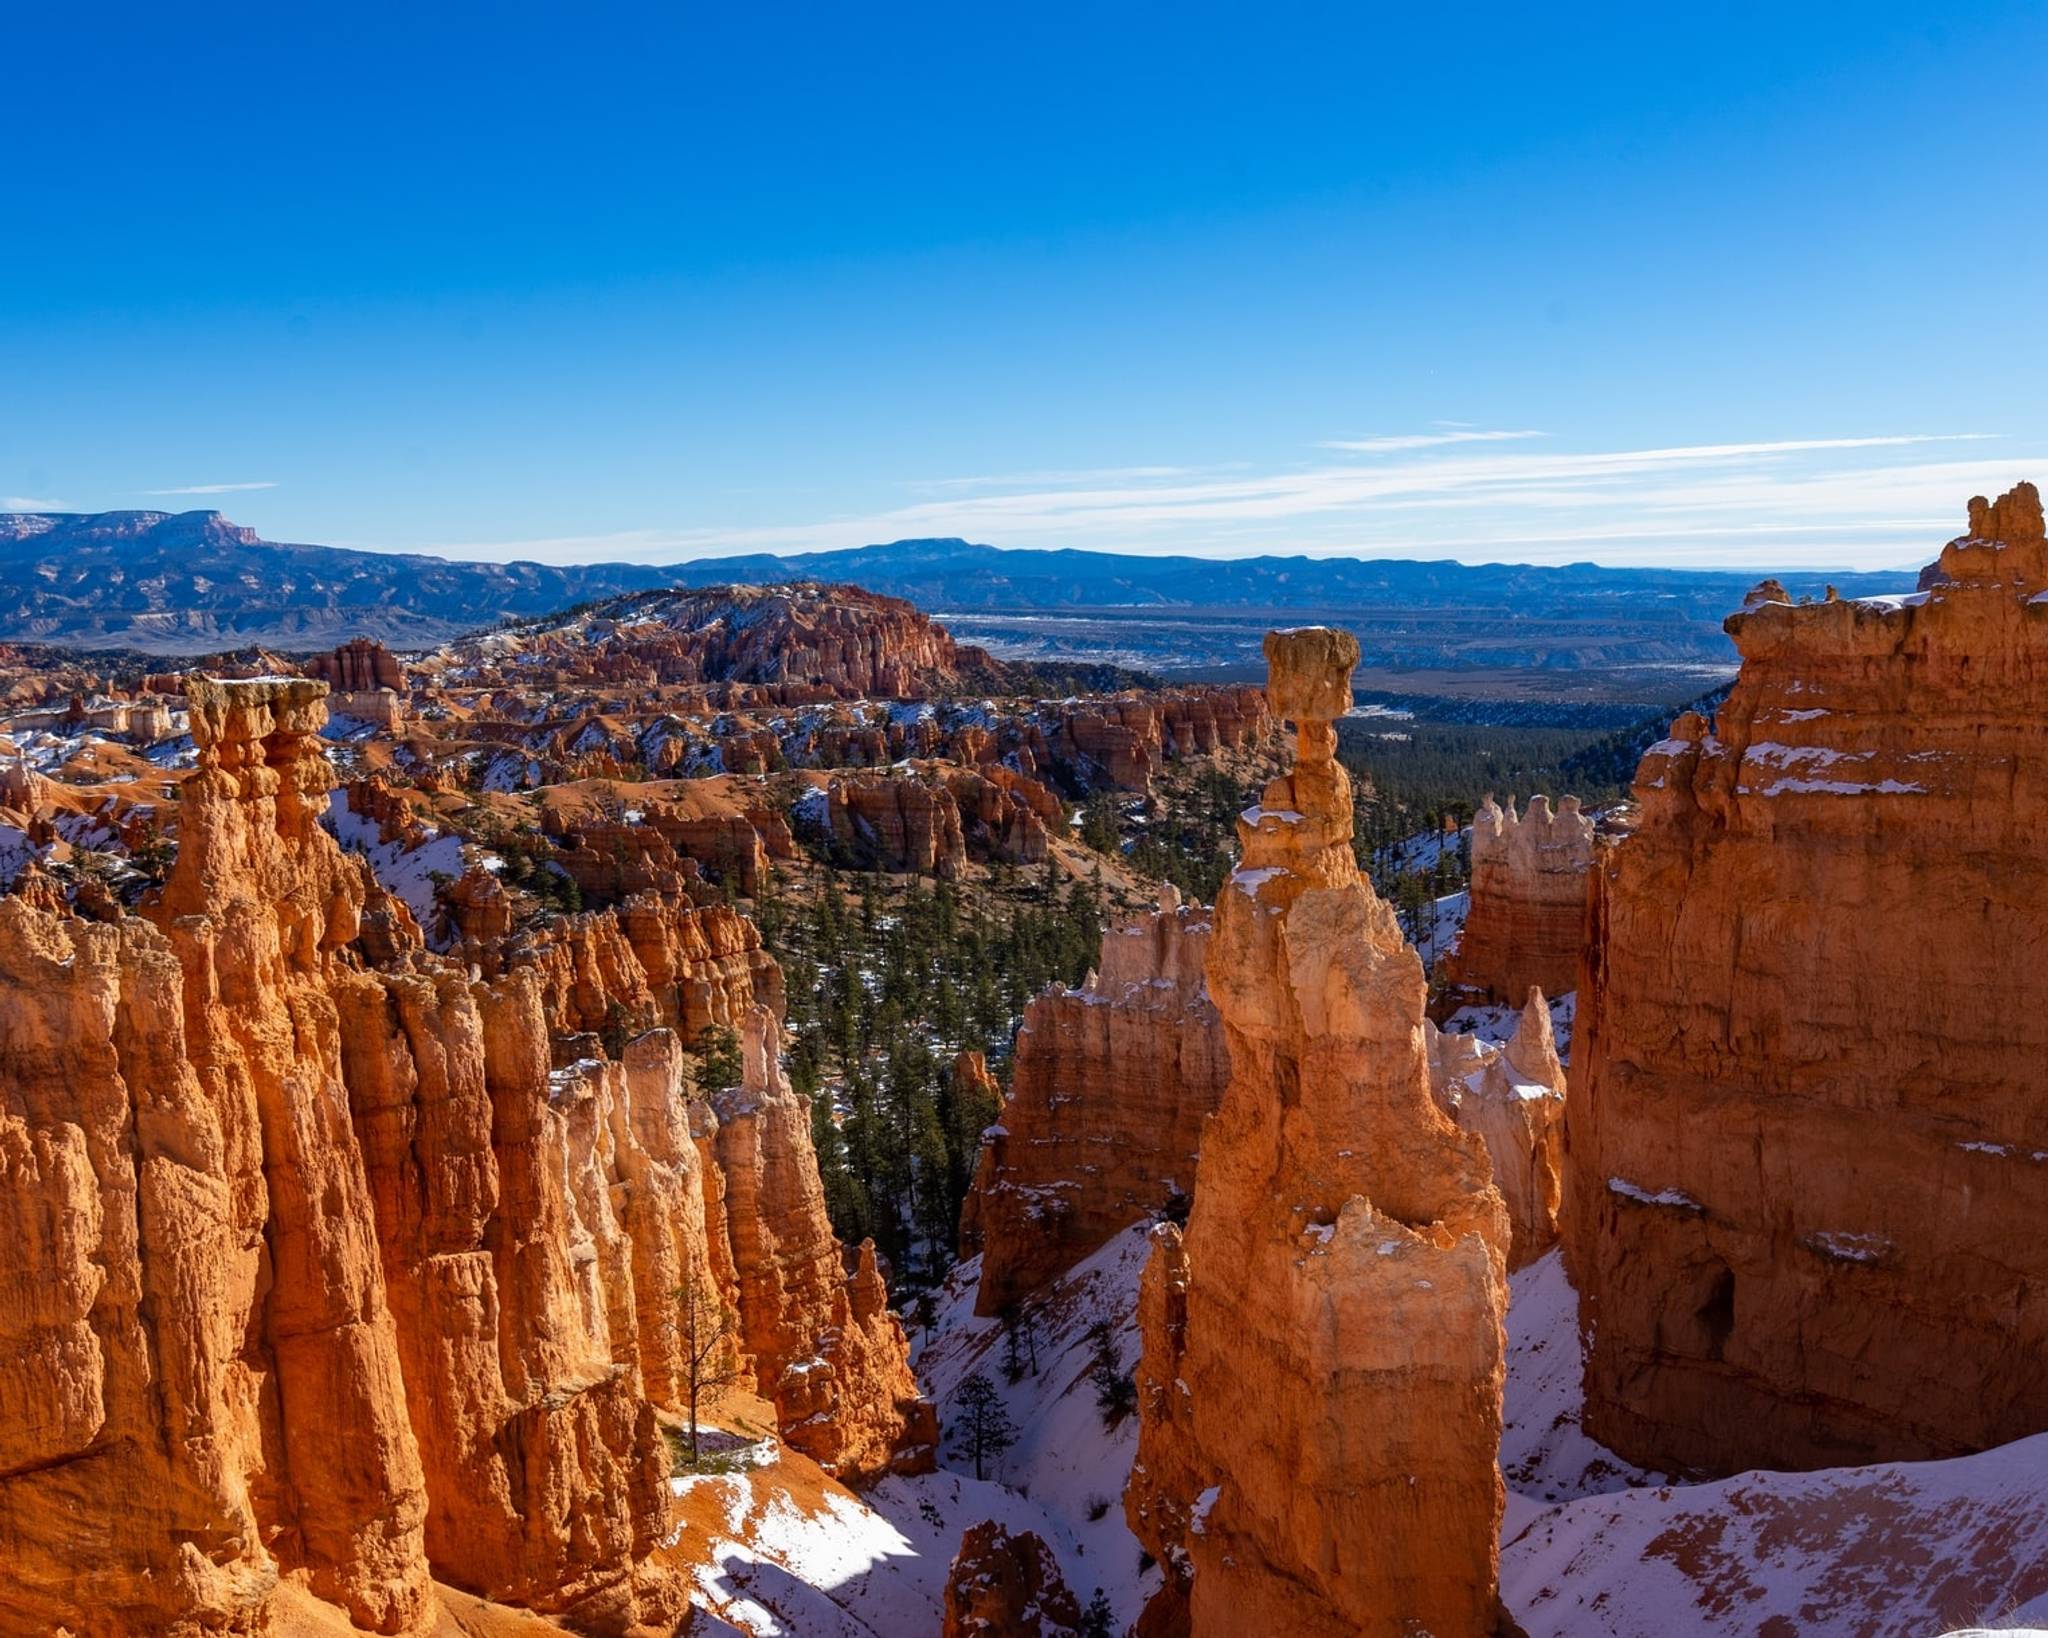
(1899, 1550)
(1065, 1459)
(1589, 1545)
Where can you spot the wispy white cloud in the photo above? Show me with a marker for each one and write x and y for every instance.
(1058, 479)
(1842, 502)
(28, 503)
(210, 488)
(1393, 443)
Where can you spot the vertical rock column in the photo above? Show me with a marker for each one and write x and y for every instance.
(1323, 1355)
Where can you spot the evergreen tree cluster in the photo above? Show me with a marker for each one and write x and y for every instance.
(888, 980)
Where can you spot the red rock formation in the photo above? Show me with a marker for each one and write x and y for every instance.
(826, 1348)
(650, 962)
(809, 642)
(357, 666)
(515, 1211)
(320, 1272)
(1807, 1153)
(1116, 740)
(1004, 814)
(1332, 1455)
(902, 823)
(1111, 1086)
(1526, 926)
(1125, 740)
(1512, 1096)
(1007, 1586)
(614, 859)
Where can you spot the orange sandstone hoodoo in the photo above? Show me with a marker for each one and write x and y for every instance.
(1320, 1388)
(1807, 1142)
(312, 1267)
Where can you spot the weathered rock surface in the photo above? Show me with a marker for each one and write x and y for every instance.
(1512, 1096)
(357, 666)
(1007, 1585)
(320, 1272)
(899, 824)
(1526, 925)
(1320, 1389)
(813, 642)
(826, 1347)
(1807, 1151)
(1109, 1092)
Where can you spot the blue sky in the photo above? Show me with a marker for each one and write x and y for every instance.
(1748, 285)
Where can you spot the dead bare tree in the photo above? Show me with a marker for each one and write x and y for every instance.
(710, 1347)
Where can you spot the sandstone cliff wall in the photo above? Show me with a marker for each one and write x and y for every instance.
(1109, 1092)
(1807, 1149)
(1526, 925)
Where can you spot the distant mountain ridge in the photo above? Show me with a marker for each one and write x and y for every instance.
(191, 582)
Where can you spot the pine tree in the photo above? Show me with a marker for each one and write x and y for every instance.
(983, 1424)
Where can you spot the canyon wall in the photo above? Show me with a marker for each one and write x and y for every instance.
(1807, 1149)
(1109, 1091)
(1526, 925)
(1321, 1378)
(319, 1268)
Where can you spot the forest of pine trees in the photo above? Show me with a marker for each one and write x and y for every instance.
(888, 979)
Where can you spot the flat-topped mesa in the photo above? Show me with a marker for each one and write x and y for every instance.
(1803, 1191)
(1321, 1379)
(1526, 924)
(1112, 1083)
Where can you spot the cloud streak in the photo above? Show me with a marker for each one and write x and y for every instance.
(28, 503)
(1421, 440)
(1784, 503)
(211, 488)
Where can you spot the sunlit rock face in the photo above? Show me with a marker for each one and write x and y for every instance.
(1321, 1378)
(826, 1347)
(322, 1265)
(1512, 1096)
(1112, 1083)
(1526, 926)
(1807, 1148)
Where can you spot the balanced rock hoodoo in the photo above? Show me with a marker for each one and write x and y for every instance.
(1320, 1387)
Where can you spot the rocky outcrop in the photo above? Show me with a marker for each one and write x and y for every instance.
(826, 1347)
(1110, 1088)
(898, 824)
(805, 641)
(319, 1271)
(1004, 815)
(1526, 925)
(1512, 1096)
(357, 666)
(1007, 1585)
(650, 962)
(1323, 1355)
(1125, 740)
(1807, 1154)
(365, 682)
(514, 1211)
